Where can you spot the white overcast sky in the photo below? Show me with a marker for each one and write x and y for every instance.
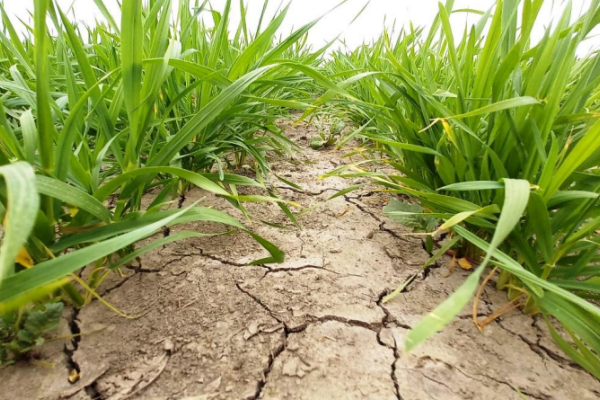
(366, 28)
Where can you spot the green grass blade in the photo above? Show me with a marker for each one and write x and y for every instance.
(499, 106)
(73, 196)
(21, 210)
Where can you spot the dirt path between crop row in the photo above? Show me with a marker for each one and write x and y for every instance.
(311, 328)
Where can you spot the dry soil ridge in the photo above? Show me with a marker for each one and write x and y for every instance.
(311, 328)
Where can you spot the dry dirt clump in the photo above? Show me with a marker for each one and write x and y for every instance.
(210, 327)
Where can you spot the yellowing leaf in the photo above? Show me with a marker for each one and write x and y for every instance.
(450, 132)
(465, 264)
(24, 258)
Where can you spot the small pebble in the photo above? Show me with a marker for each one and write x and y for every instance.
(168, 345)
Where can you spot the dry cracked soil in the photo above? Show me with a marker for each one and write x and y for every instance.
(208, 326)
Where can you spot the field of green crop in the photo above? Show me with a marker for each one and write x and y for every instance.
(495, 140)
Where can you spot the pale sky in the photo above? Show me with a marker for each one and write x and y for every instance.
(366, 28)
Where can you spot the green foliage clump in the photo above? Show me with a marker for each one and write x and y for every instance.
(410, 215)
(328, 133)
(94, 117)
(22, 331)
(498, 138)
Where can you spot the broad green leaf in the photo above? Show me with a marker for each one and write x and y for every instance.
(127, 225)
(46, 128)
(47, 272)
(499, 106)
(404, 146)
(30, 133)
(580, 153)
(345, 191)
(21, 211)
(73, 196)
(541, 226)
(131, 57)
(444, 313)
(192, 177)
(469, 186)
(44, 320)
(156, 244)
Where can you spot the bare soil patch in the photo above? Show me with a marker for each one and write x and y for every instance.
(311, 328)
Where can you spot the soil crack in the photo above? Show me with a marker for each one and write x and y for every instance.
(539, 396)
(267, 371)
(394, 362)
(386, 321)
(301, 268)
(540, 349)
(117, 285)
(278, 351)
(222, 261)
(72, 365)
(392, 233)
(213, 257)
(312, 319)
(141, 270)
(307, 193)
(75, 339)
(424, 375)
(181, 200)
(362, 208)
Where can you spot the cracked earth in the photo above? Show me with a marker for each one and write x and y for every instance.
(208, 326)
